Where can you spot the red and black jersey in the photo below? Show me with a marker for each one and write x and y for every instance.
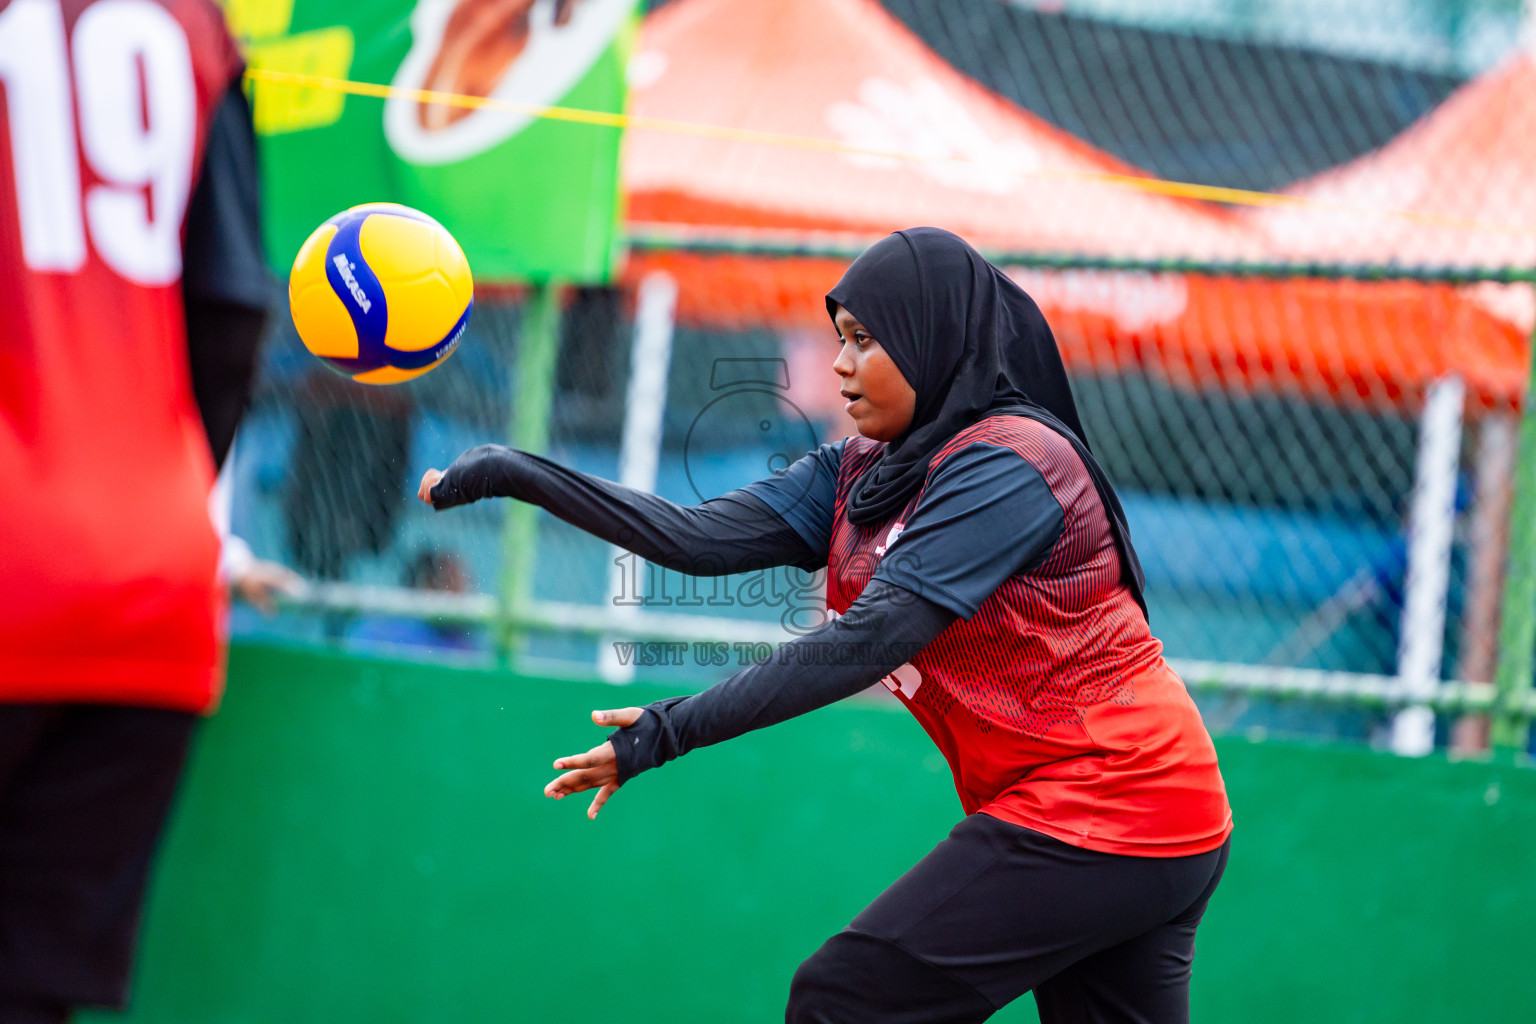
(108, 561)
(1049, 696)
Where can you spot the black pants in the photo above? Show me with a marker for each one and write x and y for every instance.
(996, 911)
(84, 791)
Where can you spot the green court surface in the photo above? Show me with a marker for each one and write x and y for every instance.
(366, 841)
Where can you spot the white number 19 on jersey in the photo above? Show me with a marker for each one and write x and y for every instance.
(132, 80)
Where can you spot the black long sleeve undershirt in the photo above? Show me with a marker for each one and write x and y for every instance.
(886, 627)
(735, 532)
(222, 342)
(224, 277)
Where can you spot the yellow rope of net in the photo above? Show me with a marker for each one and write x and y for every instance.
(632, 122)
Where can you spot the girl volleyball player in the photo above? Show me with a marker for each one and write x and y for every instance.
(981, 567)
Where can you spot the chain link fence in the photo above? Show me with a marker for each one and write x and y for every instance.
(1317, 470)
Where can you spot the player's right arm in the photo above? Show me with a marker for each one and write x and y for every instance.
(773, 522)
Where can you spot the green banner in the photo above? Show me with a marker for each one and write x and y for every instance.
(528, 199)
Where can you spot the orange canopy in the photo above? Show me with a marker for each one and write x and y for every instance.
(1458, 188)
(845, 71)
(1465, 172)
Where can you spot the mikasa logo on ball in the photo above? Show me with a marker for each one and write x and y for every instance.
(351, 282)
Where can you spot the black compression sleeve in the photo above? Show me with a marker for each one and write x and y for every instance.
(221, 343)
(735, 532)
(224, 277)
(885, 627)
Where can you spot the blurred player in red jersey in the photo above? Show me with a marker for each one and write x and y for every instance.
(981, 567)
(130, 307)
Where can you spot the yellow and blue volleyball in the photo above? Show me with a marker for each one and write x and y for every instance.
(381, 293)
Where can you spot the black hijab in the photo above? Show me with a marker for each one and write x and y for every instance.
(972, 344)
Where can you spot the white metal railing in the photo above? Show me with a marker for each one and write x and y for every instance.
(1350, 689)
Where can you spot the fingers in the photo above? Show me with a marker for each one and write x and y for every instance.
(596, 757)
(286, 581)
(580, 781)
(429, 479)
(257, 592)
(275, 578)
(619, 718)
(601, 798)
(597, 767)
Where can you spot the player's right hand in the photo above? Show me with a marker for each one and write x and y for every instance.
(429, 480)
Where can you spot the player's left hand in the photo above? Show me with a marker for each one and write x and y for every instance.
(598, 768)
(261, 583)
